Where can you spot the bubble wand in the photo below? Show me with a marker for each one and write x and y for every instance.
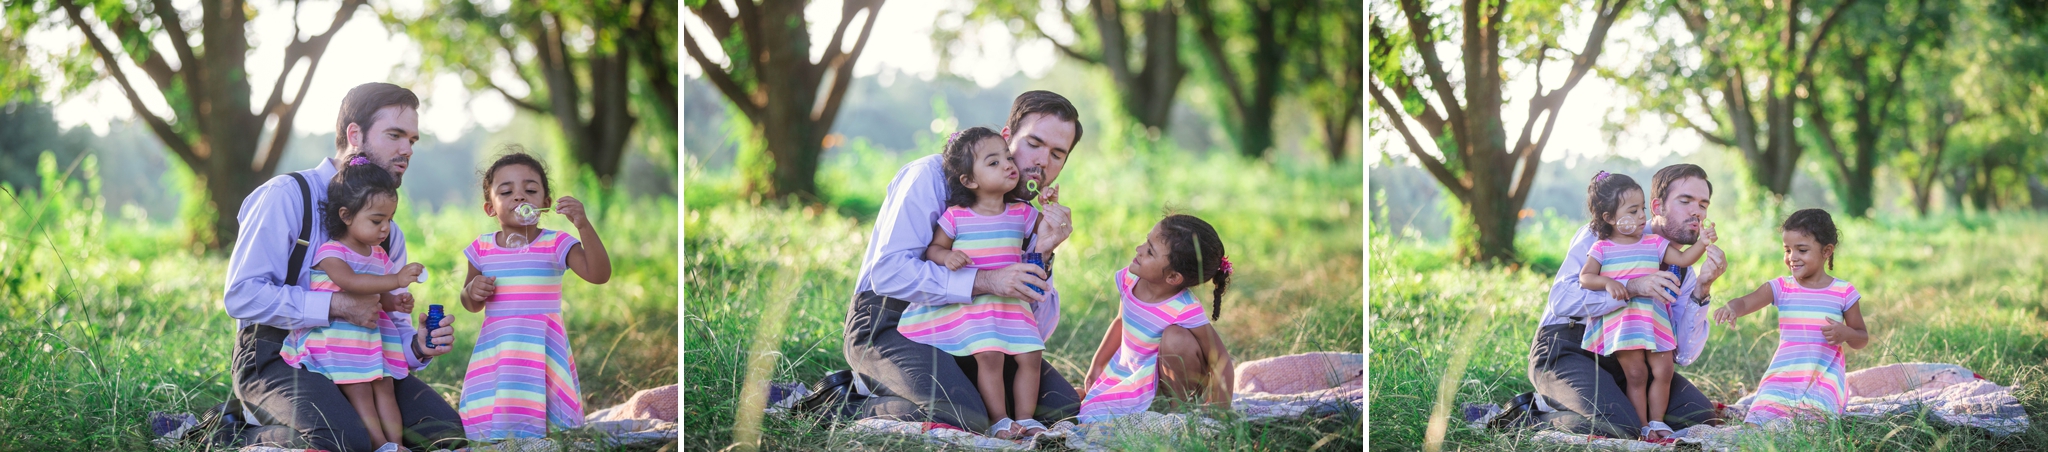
(1033, 257)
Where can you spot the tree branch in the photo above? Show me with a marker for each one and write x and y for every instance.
(193, 157)
(724, 81)
(828, 112)
(1212, 43)
(1063, 48)
(1813, 45)
(1436, 168)
(1430, 119)
(182, 44)
(1418, 28)
(1825, 129)
(311, 49)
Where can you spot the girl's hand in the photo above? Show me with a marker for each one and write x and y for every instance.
(1617, 290)
(1835, 332)
(480, 288)
(410, 273)
(1711, 237)
(954, 259)
(569, 207)
(402, 302)
(1725, 316)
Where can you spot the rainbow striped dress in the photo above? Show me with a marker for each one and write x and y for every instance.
(521, 376)
(1643, 323)
(989, 323)
(345, 352)
(1129, 383)
(1806, 377)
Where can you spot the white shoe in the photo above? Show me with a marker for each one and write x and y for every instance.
(1029, 425)
(1657, 426)
(391, 447)
(1002, 429)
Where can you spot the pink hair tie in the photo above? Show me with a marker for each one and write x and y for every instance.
(359, 160)
(1226, 265)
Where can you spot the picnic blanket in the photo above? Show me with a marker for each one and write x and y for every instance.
(1292, 387)
(646, 419)
(1950, 394)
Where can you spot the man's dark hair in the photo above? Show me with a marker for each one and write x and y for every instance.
(360, 107)
(1045, 102)
(1660, 184)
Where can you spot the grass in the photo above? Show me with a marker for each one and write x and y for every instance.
(105, 318)
(1293, 231)
(1962, 290)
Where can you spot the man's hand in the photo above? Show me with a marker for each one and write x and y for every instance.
(355, 308)
(480, 288)
(443, 338)
(1654, 285)
(1011, 282)
(1055, 222)
(1712, 265)
(954, 259)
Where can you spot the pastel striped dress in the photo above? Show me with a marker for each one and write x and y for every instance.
(989, 323)
(521, 376)
(1643, 323)
(1131, 379)
(1806, 377)
(345, 352)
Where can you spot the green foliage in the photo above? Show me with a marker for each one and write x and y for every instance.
(1930, 295)
(105, 320)
(1292, 228)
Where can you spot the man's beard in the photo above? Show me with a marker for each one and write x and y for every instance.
(1676, 231)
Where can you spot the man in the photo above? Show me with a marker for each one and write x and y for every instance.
(293, 407)
(1586, 389)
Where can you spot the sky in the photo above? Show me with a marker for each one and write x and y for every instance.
(903, 40)
(362, 52)
(1590, 105)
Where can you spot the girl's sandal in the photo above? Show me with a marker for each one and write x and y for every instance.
(1002, 429)
(1657, 427)
(1029, 425)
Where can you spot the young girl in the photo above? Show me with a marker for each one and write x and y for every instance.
(1180, 253)
(1816, 315)
(983, 227)
(362, 360)
(1639, 334)
(521, 377)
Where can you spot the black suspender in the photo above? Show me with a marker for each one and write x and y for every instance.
(291, 274)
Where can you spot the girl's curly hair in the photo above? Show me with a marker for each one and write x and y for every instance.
(352, 188)
(958, 158)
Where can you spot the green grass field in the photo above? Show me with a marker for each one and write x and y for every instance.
(107, 318)
(1962, 290)
(779, 280)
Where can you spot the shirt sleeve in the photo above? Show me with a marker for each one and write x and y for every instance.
(1852, 298)
(257, 266)
(949, 223)
(1567, 297)
(563, 244)
(896, 267)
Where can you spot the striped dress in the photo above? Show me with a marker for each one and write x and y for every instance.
(521, 377)
(1643, 323)
(989, 323)
(345, 352)
(1806, 377)
(1131, 379)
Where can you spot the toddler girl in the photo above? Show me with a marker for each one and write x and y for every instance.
(983, 227)
(363, 360)
(1817, 314)
(1639, 334)
(521, 376)
(1180, 253)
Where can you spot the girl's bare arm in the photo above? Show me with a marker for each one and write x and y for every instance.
(470, 290)
(588, 259)
(1103, 353)
(1741, 306)
(1858, 335)
(1591, 279)
(1685, 258)
(352, 282)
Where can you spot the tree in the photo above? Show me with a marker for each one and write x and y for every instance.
(1491, 179)
(587, 61)
(1734, 44)
(1310, 43)
(771, 78)
(212, 126)
(1865, 74)
(1145, 88)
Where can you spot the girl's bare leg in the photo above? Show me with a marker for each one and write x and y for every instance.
(988, 378)
(364, 398)
(1026, 392)
(1635, 366)
(1183, 369)
(387, 411)
(1660, 384)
